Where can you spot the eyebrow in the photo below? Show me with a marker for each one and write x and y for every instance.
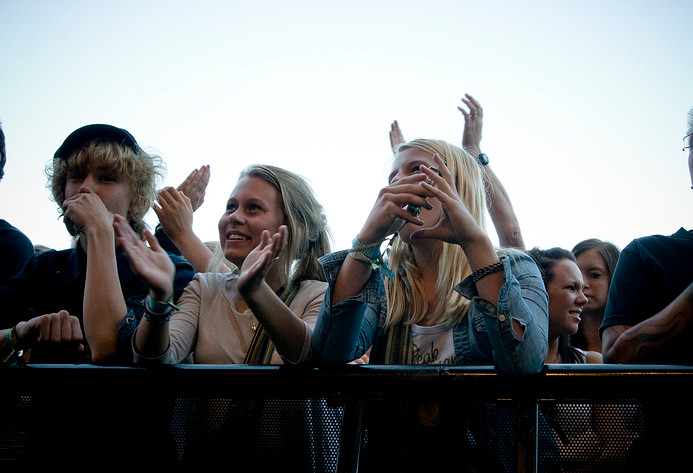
(416, 162)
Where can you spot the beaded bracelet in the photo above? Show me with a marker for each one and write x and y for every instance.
(481, 273)
(157, 312)
(369, 254)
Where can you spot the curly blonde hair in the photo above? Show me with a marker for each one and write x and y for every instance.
(139, 169)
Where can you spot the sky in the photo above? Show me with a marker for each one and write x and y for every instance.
(584, 102)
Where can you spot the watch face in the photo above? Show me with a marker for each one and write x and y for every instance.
(483, 159)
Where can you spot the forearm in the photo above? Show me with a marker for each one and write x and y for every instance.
(481, 254)
(104, 306)
(285, 329)
(518, 324)
(194, 251)
(501, 211)
(352, 278)
(642, 342)
(151, 340)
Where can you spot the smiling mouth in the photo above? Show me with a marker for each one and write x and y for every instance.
(236, 237)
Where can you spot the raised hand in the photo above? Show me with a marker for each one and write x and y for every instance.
(457, 225)
(195, 185)
(151, 263)
(473, 123)
(175, 212)
(396, 138)
(259, 261)
(388, 214)
(86, 211)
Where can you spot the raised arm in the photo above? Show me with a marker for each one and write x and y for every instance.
(104, 306)
(287, 331)
(498, 201)
(175, 212)
(155, 267)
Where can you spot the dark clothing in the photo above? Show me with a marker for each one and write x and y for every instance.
(15, 250)
(54, 280)
(165, 241)
(651, 272)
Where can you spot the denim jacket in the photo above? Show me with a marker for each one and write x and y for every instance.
(485, 336)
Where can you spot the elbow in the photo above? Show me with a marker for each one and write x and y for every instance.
(103, 355)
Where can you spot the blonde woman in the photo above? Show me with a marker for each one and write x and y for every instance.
(452, 297)
(273, 230)
(442, 295)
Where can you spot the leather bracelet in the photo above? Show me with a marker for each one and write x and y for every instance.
(481, 273)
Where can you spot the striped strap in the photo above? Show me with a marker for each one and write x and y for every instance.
(261, 347)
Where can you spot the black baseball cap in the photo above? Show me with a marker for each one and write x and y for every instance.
(92, 132)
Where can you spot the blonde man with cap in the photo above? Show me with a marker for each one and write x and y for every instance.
(81, 305)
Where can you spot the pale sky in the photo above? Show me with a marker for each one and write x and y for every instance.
(585, 102)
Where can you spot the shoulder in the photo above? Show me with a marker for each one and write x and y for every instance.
(519, 262)
(8, 231)
(593, 357)
(682, 236)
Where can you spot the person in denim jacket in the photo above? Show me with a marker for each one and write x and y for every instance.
(452, 297)
(443, 295)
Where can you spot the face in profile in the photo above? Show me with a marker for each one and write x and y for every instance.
(566, 299)
(254, 206)
(596, 277)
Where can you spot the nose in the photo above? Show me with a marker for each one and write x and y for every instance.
(582, 299)
(235, 217)
(88, 185)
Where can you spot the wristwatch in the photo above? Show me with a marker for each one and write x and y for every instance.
(482, 159)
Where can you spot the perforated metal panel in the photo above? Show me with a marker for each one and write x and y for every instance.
(589, 437)
(258, 434)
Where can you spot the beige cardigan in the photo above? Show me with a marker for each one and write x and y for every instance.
(209, 328)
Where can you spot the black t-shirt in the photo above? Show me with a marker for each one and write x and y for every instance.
(651, 272)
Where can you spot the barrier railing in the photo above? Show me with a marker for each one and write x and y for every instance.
(587, 418)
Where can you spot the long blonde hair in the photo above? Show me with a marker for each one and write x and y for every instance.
(405, 292)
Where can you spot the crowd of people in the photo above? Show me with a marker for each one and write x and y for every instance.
(422, 283)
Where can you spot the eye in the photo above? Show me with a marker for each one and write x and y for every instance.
(230, 207)
(254, 208)
(595, 275)
(75, 176)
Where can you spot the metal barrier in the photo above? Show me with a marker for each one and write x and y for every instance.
(581, 418)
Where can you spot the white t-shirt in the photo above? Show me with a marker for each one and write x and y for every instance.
(433, 345)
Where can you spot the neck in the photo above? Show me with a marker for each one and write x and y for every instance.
(552, 355)
(427, 267)
(426, 256)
